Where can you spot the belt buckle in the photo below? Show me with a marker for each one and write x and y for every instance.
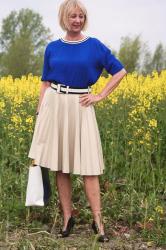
(67, 89)
(58, 87)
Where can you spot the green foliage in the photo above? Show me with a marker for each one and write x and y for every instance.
(146, 67)
(129, 53)
(136, 56)
(159, 58)
(22, 41)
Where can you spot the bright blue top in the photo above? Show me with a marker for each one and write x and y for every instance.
(78, 64)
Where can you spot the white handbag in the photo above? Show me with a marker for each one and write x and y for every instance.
(35, 189)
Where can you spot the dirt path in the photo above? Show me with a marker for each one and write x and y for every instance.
(81, 239)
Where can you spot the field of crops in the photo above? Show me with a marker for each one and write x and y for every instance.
(132, 124)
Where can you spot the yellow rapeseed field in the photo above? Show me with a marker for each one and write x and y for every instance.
(145, 91)
(18, 96)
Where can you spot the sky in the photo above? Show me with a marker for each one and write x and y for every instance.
(109, 20)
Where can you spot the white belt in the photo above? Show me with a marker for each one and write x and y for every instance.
(60, 87)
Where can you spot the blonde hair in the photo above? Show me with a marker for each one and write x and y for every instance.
(65, 8)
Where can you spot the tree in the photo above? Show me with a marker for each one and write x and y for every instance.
(147, 66)
(155, 61)
(129, 53)
(22, 41)
(145, 60)
(158, 61)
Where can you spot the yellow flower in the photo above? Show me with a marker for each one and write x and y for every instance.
(114, 100)
(153, 123)
(138, 132)
(16, 119)
(159, 210)
(29, 120)
(151, 219)
(2, 105)
(148, 136)
(146, 103)
(130, 142)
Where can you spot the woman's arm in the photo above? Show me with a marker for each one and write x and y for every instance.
(44, 86)
(87, 99)
(112, 84)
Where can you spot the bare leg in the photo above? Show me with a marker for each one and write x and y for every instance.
(92, 190)
(64, 186)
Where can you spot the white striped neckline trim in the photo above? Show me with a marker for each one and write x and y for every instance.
(74, 42)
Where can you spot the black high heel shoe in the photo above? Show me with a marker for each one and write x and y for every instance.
(70, 225)
(101, 237)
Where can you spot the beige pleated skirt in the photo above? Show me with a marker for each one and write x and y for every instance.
(66, 136)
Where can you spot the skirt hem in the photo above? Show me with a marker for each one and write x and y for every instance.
(66, 172)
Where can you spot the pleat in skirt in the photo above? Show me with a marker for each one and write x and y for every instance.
(66, 136)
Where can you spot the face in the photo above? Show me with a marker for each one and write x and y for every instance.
(76, 20)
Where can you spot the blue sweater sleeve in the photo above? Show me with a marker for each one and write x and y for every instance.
(45, 65)
(108, 60)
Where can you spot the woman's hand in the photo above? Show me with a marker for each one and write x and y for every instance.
(88, 99)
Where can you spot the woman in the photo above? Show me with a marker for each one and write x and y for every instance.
(66, 137)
